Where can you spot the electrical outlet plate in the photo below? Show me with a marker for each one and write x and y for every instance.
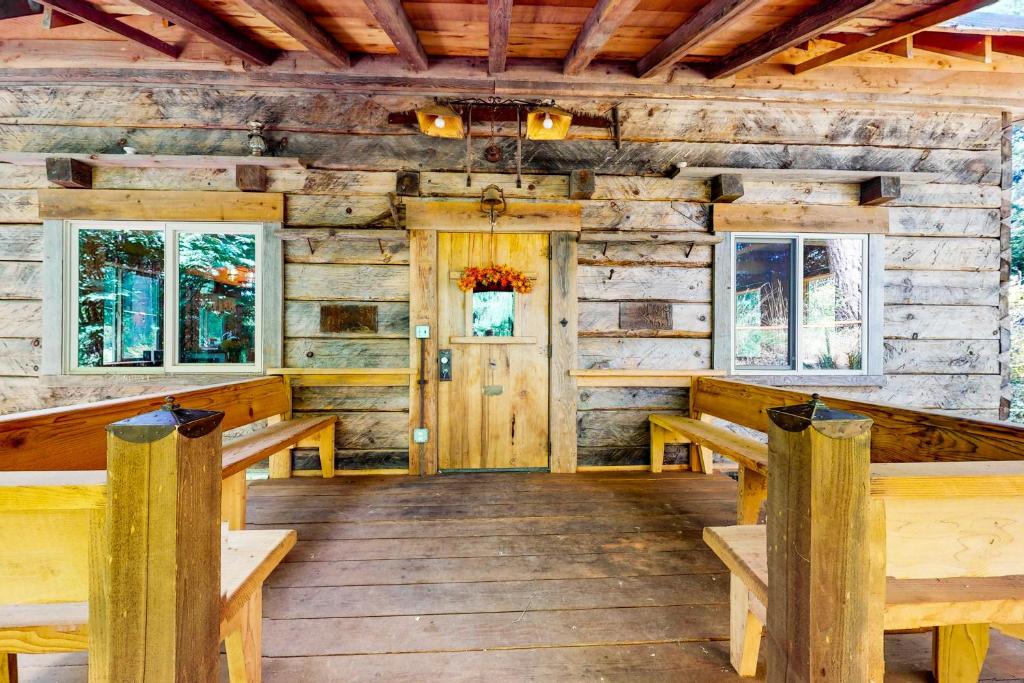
(421, 435)
(423, 331)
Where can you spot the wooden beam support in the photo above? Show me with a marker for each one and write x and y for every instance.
(83, 11)
(974, 48)
(863, 220)
(395, 22)
(499, 13)
(407, 184)
(824, 618)
(894, 33)
(1008, 45)
(582, 183)
(904, 47)
(710, 18)
(192, 16)
(880, 190)
(823, 17)
(70, 173)
(251, 178)
(601, 24)
(725, 188)
(293, 20)
(53, 19)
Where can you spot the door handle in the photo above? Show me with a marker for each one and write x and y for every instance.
(444, 365)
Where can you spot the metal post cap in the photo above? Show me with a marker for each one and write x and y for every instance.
(157, 424)
(814, 413)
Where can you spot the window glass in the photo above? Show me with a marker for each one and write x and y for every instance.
(216, 298)
(764, 273)
(120, 298)
(494, 314)
(833, 321)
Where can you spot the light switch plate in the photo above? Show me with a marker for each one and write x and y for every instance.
(423, 331)
(421, 435)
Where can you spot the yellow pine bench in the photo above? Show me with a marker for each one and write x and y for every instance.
(954, 560)
(51, 529)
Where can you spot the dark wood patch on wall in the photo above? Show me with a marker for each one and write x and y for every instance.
(348, 318)
(645, 315)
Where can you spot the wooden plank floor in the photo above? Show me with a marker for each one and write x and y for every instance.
(505, 577)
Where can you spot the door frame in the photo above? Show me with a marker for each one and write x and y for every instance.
(562, 221)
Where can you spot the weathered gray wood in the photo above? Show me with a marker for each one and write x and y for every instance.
(642, 283)
(942, 287)
(644, 354)
(20, 357)
(907, 356)
(51, 286)
(21, 243)
(600, 317)
(563, 351)
(875, 304)
(370, 251)
(272, 294)
(339, 210)
(361, 430)
(941, 322)
(944, 222)
(941, 253)
(20, 280)
(947, 392)
(346, 353)
(622, 428)
(644, 253)
(636, 398)
(499, 21)
(649, 215)
(604, 456)
(21, 317)
(645, 315)
(374, 399)
(305, 282)
(302, 319)
(19, 206)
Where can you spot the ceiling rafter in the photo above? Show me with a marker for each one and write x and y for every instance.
(601, 24)
(698, 28)
(290, 18)
(192, 17)
(974, 48)
(395, 23)
(499, 21)
(83, 11)
(894, 33)
(820, 19)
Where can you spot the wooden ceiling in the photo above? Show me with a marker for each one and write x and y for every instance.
(717, 37)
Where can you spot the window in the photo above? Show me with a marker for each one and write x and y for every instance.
(797, 304)
(145, 297)
(494, 314)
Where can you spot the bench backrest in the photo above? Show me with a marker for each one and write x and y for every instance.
(946, 520)
(73, 437)
(898, 434)
(48, 524)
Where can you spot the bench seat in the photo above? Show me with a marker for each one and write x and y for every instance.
(251, 448)
(247, 559)
(745, 452)
(909, 603)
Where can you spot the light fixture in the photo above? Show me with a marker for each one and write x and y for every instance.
(440, 121)
(548, 123)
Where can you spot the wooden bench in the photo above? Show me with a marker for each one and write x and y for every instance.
(953, 553)
(52, 529)
(707, 439)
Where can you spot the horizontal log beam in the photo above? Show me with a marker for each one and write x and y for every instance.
(83, 11)
(697, 29)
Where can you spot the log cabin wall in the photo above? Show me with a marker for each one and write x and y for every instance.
(641, 305)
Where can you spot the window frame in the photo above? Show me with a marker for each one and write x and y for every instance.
(725, 307)
(267, 342)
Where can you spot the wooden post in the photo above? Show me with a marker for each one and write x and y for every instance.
(162, 604)
(822, 622)
(326, 445)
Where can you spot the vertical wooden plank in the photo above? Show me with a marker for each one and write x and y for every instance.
(744, 629)
(326, 443)
(821, 625)
(423, 311)
(753, 489)
(243, 642)
(232, 501)
(163, 508)
(959, 652)
(1005, 228)
(272, 293)
(564, 317)
(876, 305)
(281, 462)
(53, 298)
(8, 668)
(721, 341)
(657, 447)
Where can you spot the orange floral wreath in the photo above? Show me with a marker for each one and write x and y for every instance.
(495, 278)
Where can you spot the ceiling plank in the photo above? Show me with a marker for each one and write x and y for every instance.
(83, 11)
(192, 17)
(697, 29)
(893, 33)
(975, 48)
(603, 21)
(395, 23)
(500, 23)
(820, 19)
(290, 18)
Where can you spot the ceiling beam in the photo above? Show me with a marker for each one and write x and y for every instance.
(697, 29)
(904, 47)
(499, 22)
(603, 21)
(395, 22)
(821, 18)
(189, 15)
(894, 33)
(975, 48)
(83, 11)
(290, 18)
(1008, 45)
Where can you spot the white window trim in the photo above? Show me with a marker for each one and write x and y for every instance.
(725, 313)
(60, 301)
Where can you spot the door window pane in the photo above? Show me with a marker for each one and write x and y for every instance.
(764, 273)
(832, 319)
(216, 298)
(120, 298)
(494, 314)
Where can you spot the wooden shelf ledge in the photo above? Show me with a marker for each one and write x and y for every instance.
(153, 160)
(640, 378)
(357, 377)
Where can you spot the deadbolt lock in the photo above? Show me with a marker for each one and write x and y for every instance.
(444, 365)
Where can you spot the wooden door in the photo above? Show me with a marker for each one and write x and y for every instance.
(493, 414)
